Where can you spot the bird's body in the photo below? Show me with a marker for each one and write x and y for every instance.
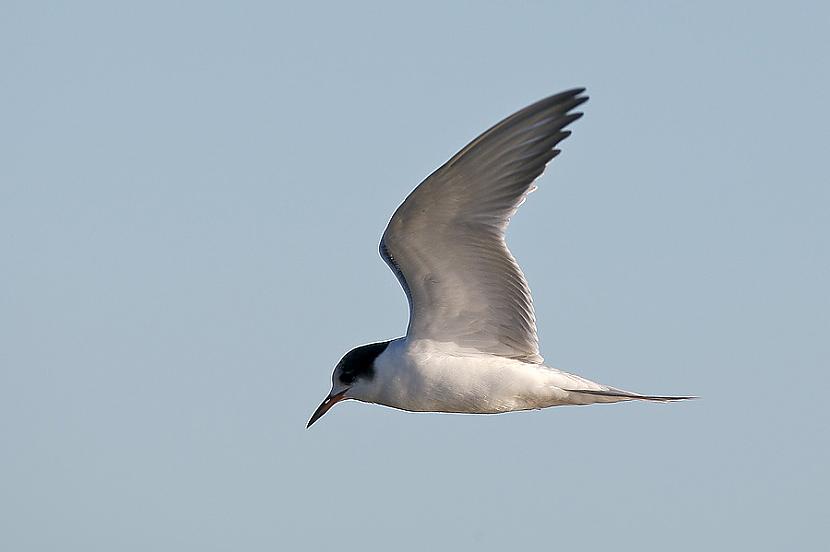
(428, 376)
(471, 344)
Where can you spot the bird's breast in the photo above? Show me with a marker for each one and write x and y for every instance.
(427, 378)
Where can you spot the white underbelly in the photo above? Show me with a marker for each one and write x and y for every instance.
(438, 383)
(423, 377)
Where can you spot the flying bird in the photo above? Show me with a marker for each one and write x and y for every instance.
(471, 344)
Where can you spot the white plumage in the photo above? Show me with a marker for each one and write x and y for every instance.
(471, 343)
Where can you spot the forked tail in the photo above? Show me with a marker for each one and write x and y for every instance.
(621, 395)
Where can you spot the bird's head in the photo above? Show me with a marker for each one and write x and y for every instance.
(351, 378)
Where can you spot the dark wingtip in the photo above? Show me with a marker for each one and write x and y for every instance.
(574, 91)
(578, 92)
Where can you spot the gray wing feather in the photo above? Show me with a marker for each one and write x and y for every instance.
(445, 242)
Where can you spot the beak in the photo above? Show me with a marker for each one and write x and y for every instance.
(330, 401)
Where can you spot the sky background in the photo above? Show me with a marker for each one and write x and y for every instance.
(191, 197)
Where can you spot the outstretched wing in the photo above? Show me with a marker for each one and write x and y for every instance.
(446, 245)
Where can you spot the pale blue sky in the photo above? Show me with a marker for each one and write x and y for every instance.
(191, 196)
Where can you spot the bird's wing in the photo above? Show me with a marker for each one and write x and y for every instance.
(445, 243)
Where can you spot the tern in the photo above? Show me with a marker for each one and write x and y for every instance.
(471, 344)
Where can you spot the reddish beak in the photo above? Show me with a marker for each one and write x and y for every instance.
(330, 401)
